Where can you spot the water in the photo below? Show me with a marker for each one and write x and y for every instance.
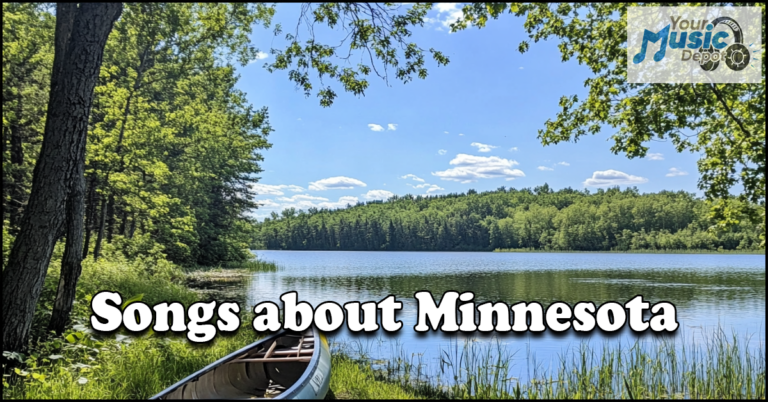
(708, 290)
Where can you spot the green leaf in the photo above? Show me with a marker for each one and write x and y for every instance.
(132, 299)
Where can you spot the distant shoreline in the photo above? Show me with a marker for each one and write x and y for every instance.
(702, 251)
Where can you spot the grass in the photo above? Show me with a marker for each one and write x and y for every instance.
(248, 266)
(352, 380)
(134, 368)
(718, 368)
(648, 251)
(253, 266)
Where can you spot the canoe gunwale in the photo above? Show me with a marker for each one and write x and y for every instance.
(240, 354)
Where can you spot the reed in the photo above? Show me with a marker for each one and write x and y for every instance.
(645, 251)
(717, 368)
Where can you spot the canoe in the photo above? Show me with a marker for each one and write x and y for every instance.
(286, 365)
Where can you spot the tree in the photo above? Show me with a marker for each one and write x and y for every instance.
(169, 84)
(27, 58)
(57, 184)
(726, 122)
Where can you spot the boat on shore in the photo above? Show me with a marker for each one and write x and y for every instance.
(286, 365)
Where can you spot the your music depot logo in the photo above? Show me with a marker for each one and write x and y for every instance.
(694, 44)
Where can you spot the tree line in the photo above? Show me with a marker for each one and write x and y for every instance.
(538, 218)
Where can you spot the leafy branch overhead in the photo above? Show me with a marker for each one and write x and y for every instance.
(725, 123)
(377, 33)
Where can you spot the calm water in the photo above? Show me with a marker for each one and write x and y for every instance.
(708, 291)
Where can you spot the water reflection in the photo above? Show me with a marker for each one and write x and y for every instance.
(708, 291)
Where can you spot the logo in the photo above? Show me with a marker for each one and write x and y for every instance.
(691, 44)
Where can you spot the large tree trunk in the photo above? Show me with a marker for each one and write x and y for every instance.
(71, 266)
(81, 34)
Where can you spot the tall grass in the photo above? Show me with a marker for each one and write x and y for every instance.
(253, 266)
(645, 251)
(248, 265)
(128, 368)
(718, 368)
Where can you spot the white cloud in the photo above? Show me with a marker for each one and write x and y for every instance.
(375, 127)
(461, 134)
(412, 176)
(676, 172)
(304, 201)
(483, 147)
(612, 178)
(563, 163)
(513, 149)
(655, 157)
(341, 203)
(442, 152)
(430, 188)
(469, 168)
(391, 127)
(445, 132)
(267, 189)
(446, 7)
(521, 68)
(259, 56)
(336, 183)
(378, 195)
(301, 197)
(268, 203)
(448, 13)
(545, 168)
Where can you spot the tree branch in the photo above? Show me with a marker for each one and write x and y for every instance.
(728, 110)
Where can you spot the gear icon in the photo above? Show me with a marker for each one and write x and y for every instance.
(737, 57)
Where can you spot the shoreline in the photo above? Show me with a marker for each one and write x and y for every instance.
(698, 251)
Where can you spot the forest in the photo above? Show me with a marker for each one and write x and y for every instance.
(538, 219)
(171, 145)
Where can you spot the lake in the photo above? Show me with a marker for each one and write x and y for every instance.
(709, 291)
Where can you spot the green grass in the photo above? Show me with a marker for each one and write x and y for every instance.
(253, 266)
(249, 266)
(648, 251)
(718, 368)
(352, 380)
(135, 368)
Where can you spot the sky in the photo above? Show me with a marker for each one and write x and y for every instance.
(472, 124)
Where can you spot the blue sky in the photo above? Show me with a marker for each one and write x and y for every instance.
(470, 125)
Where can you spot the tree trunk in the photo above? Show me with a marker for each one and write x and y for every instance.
(132, 227)
(90, 211)
(123, 223)
(100, 235)
(71, 266)
(81, 34)
(110, 216)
